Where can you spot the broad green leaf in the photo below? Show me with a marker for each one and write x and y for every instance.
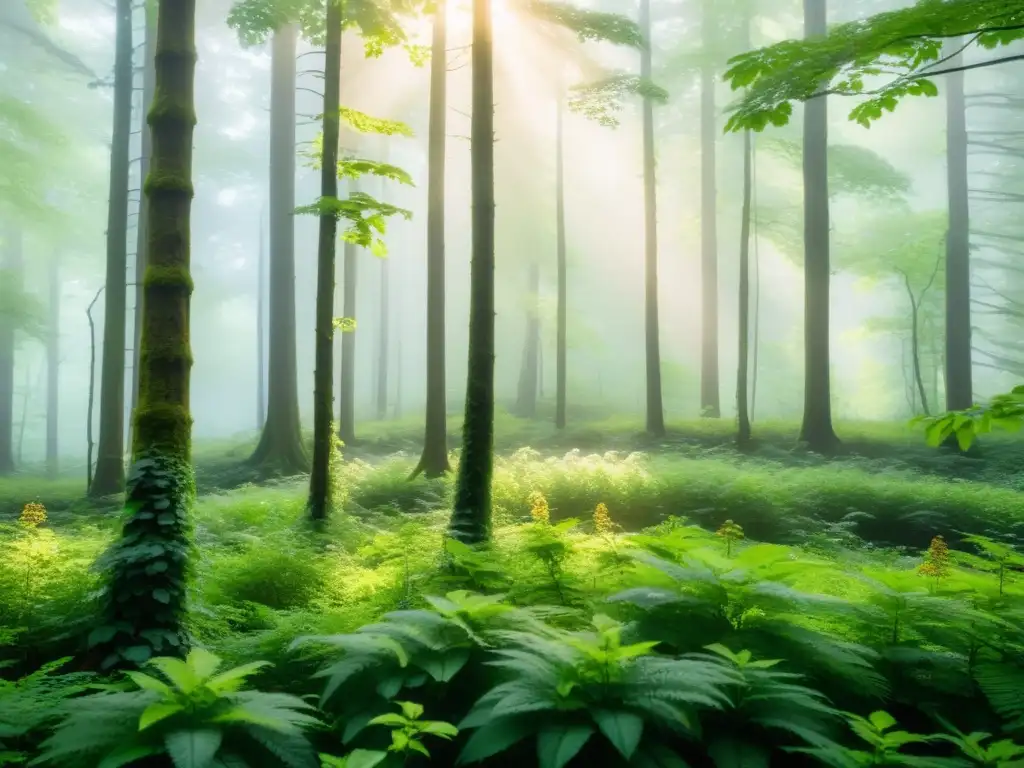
(492, 738)
(156, 712)
(558, 744)
(735, 753)
(232, 679)
(193, 748)
(622, 729)
(124, 756)
(147, 683)
(364, 758)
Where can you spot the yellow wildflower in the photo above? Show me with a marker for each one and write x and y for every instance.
(936, 560)
(603, 525)
(731, 532)
(33, 515)
(539, 509)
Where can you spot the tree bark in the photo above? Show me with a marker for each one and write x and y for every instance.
(12, 269)
(261, 329)
(743, 432)
(53, 369)
(561, 330)
(157, 526)
(655, 409)
(529, 372)
(148, 86)
(280, 449)
(710, 405)
(816, 430)
(108, 478)
(959, 378)
(434, 460)
(323, 377)
(347, 394)
(471, 513)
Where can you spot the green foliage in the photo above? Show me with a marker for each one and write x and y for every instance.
(603, 100)
(364, 123)
(148, 566)
(589, 25)
(407, 734)
(18, 309)
(853, 170)
(256, 20)
(195, 716)
(908, 43)
(1004, 411)
(366, 217)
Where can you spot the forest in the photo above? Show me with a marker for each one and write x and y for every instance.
(629, 383)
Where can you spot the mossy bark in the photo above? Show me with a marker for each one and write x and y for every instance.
(816, 430)
(148, 567)
(471, 513)
(280, 451)
(434, 460)
(108, 478)
(655, 408)
(10, 269)
(710, 405)
(561, 321)
(323, 376)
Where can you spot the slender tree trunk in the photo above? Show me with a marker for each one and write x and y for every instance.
(109, 476)
(471, 513)
(347, 394)
(561, 330)
(10, 269)
(382, 342)
(743, 434)
(816, 430)
(529, 372)
(261, 329)
(146, 597)
(655, 410)
(323, 377)
(710, 405)
(434, 461)
(53, 369)
(26, 401)
(280, 448)
(396, 407)
(148, 86)
(959, 380)
(89, 444)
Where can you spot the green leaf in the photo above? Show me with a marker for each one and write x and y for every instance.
(734, 753)
(391, 720)
(558, 744)
(102, 634)
(881, 720)
(445, 666)
(494, 737)
(162, 596)
(156, 712)
(622, 729)
(232, 679)
(365, 758)
(411, 709)
(193, 748)
(126, 756)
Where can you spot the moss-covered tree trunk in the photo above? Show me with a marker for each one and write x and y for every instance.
(561, 318)
(816, 429)
(323, 376)
(529, 371)
(10, 269)
(280, 450)
(53, 367)
(347, 389)
(655, 409)
(148, 86)
(109, 475)
(434, 460)
(149, 566)
(710, 405)
(471, 513)
(959, 378)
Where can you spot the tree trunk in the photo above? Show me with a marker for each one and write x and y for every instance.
(280, 448)
(323, 377)
(655, 410)
(108, 478)
(347, 395)
(959, 383)
(743, 434)
(261, 330)
(148, 567)
(529, 372)
(90, 407)
(434, 461)
(11, 267)
(710, 405)
(148, 86)
(471, 513)
(53, 370)
(561, 330)
(382, 341)
(816, 430)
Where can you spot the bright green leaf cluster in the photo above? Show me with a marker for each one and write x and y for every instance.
(603, 100)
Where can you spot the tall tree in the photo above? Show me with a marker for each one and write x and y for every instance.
(959, 379)
(816, 429)
(347, 389)
(561, 310)
(743, 430)
(434, 460)
(383, 339)
(11, 272)
(710, 405)
(323, 384)
(655, 409)
(148, 567)
(529, 371)
(280, 447)
(471, 511)
(53, 367)
(261, 328)
(109, 475)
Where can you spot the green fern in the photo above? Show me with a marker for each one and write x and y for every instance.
(194, 717)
